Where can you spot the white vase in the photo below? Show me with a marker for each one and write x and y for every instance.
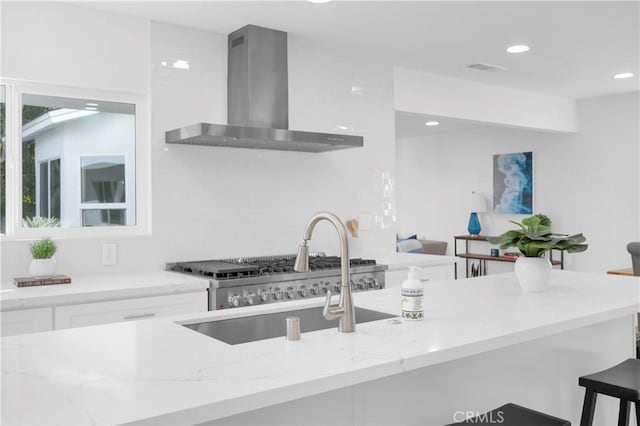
(533, 273)
(42, 267)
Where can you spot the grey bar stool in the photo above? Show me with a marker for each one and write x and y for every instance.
(621, 381)
(514, 415)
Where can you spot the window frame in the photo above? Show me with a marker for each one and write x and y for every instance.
(14, 231)
(6, 190)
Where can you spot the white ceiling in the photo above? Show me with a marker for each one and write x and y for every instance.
(576, 46)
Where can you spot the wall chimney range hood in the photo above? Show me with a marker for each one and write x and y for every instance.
(257, 101)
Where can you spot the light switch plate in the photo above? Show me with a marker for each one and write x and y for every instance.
(364, 222)
(109, 254)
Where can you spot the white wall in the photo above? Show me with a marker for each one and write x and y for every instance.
(62, 44)
(221, 202)
(426, 93)
(586, 182)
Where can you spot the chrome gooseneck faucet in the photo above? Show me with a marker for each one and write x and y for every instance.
(344, 312)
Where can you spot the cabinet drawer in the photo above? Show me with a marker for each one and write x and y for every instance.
(26, 321)
(129, 309)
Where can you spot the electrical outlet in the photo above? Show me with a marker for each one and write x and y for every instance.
(364, 222)
(109, 254)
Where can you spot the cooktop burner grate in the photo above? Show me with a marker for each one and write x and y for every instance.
(229, 269)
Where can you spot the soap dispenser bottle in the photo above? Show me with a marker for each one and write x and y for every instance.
(412, 293)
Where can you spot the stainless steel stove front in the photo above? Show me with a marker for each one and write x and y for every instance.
(230, 294)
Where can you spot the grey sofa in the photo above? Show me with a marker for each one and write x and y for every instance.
(413, 245)
(634, 250)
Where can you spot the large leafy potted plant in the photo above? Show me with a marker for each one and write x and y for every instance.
(534, 239)
(43, 262)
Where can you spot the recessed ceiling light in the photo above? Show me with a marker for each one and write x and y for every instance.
(91, 108)
(318, 1)
(519, 48)
(624, 75)
(91, 104)
(432, 123)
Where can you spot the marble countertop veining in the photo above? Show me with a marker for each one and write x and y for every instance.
(158, 372)
(86, 289)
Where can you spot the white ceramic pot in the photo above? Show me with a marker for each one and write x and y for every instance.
(533, 273)
(42, 267)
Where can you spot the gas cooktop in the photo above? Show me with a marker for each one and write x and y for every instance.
(255, 280)
(228, 269)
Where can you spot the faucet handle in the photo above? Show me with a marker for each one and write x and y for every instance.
(331, 312)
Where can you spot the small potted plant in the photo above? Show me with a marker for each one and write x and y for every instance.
(43, 262)
(534, 239)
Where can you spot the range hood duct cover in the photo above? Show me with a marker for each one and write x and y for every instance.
(258, 101)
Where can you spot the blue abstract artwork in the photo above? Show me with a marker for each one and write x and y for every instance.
(513, 183)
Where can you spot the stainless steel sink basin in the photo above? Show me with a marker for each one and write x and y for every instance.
(259, 327)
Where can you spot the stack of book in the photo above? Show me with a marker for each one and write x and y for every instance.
(46, 280)
(511, 254)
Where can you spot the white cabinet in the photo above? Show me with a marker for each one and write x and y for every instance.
(85, 314)
(396, 277)
(26, 321)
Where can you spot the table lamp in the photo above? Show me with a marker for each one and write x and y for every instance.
(478, 205)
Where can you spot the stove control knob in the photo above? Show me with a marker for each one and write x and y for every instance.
(315, 290)
(373, 283)
(325, 288)
(290, 293)
(234, 300)
(336, 287)
(361, 285)
(251, 298)
(302, 291)
(278, 294)
(263, 295)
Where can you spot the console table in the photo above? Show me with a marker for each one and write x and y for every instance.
(625, 271)
(483, 258)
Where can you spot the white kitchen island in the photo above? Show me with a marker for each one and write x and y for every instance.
(483, 342)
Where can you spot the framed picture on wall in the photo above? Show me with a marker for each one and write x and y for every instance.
(513, 183)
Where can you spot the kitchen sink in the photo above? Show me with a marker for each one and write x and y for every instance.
(267, 326)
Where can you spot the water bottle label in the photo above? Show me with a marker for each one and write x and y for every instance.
(413, 316)
(412, 304)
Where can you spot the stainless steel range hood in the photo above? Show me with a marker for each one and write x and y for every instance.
(257, 101)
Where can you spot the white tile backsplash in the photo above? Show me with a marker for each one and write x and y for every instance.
(213, 202)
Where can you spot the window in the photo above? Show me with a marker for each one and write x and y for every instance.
(49, 191)
(82, 162)
(73, 131)
(103, 190)
(102, 217)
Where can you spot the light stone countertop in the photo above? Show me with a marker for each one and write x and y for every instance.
(86, 289)
(158, 372)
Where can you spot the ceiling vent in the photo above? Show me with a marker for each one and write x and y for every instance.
(480, 66)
